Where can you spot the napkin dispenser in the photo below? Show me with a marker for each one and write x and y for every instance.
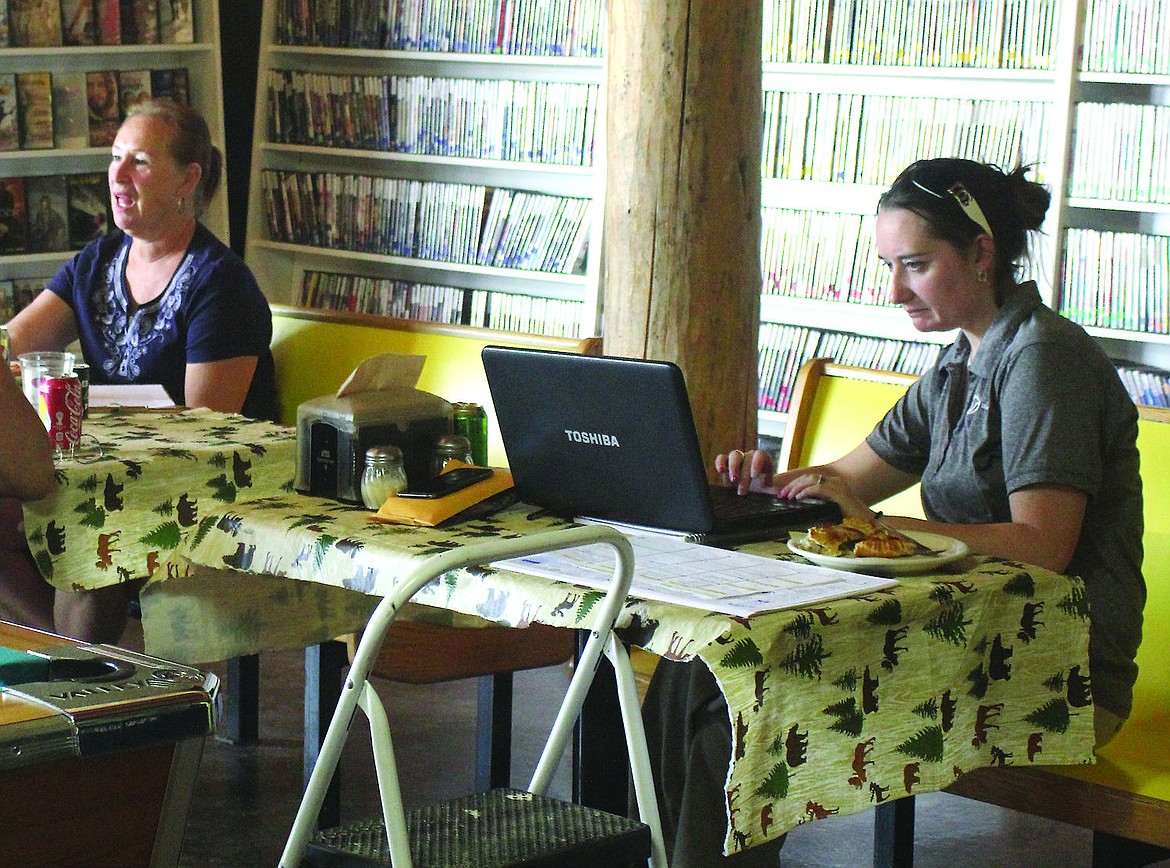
(377, 405)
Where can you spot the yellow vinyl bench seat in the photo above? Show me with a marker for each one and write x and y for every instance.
(315, 351)
(833, 408)
(1125, 796)
(1128, 767)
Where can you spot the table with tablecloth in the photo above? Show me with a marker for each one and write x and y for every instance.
(141, 480)
(834, 708)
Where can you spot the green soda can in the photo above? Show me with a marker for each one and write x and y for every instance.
(471, 422)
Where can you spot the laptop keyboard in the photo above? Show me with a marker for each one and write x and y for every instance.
(728, 505)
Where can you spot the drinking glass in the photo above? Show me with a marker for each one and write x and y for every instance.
(34, 367)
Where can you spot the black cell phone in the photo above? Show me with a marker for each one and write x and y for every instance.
(446, 483)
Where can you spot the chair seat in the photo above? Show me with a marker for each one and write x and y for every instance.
(503, 827)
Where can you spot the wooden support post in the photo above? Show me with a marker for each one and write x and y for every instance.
(682, 203)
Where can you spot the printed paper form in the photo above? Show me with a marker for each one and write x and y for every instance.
(704, 577)
(129, 395)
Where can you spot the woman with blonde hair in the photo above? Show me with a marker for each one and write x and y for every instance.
(157, 300)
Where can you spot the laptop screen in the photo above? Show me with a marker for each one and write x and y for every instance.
(600, 436)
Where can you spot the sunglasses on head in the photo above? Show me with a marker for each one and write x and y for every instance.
(962, 195)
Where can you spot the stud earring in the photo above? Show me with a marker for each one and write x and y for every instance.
(182, 202)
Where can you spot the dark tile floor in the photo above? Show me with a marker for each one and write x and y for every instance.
(246, 796)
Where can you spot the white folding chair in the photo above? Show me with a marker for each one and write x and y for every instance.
(502, 827)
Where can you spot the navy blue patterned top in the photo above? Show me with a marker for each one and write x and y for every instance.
(211, 310)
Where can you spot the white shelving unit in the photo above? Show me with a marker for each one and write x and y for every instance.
(202, 61)
(280, 266)
(1126, 216)
(1059, 86)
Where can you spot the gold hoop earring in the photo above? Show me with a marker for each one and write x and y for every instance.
(981, 277)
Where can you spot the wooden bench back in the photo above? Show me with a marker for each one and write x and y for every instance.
(316, 350)
(1151, 694)
(833, 408)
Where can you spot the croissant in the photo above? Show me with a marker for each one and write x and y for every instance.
(832, 537)
(867, 527)
(862, 538)
(885, 546)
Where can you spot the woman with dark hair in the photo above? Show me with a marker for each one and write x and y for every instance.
(158, 300)
(1023, 439)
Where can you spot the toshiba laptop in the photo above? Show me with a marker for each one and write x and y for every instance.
(613, 439)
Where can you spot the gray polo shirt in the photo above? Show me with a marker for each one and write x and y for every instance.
(1040, 404)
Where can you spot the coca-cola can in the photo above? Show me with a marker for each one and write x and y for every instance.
(60, 406)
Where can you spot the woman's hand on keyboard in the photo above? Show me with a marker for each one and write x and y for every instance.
(747, 471)
(821, 482)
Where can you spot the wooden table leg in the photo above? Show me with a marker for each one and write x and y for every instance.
(241, 717)
(893, 834)
(323, 671)
(601, 767)
(493, 732)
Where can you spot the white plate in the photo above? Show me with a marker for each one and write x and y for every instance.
(946, 550)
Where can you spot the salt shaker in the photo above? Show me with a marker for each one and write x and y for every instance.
(450, 447)
(383, 476)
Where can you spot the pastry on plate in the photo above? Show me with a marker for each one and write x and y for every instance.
(862, 538)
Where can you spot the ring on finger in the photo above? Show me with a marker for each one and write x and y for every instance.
(820, 479)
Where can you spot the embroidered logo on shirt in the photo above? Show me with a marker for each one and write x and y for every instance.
(128, 337)
(976, 404)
